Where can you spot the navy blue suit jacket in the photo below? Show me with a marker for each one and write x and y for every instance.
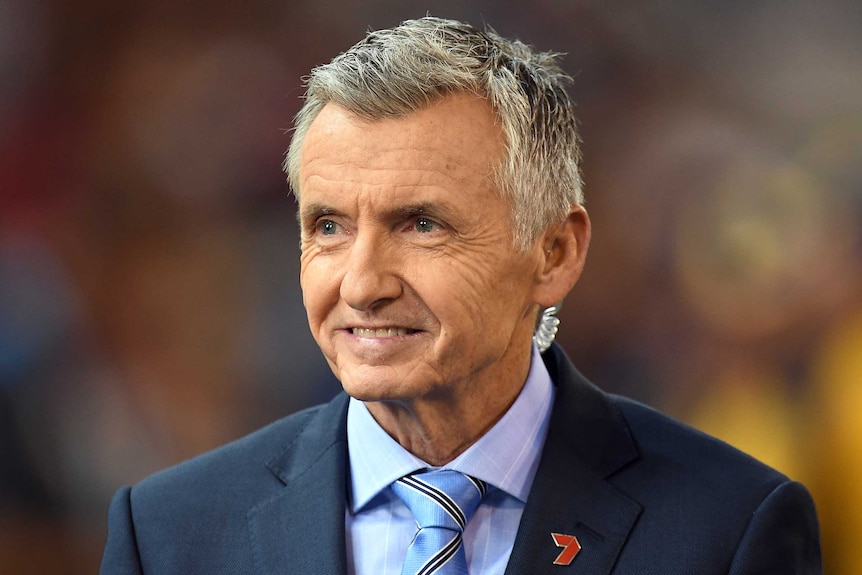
(643, 493)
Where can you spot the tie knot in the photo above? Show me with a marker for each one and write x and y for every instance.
(442, 498)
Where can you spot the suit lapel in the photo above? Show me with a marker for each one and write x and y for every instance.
(587, 441)
(301, 528)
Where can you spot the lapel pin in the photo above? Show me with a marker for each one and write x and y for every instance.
(570, 546)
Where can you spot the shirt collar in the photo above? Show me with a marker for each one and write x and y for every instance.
(376, 460)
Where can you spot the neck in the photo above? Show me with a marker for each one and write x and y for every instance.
(439, 429)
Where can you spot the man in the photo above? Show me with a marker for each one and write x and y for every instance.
(436, 168)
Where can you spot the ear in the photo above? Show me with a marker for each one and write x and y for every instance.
(564, 251)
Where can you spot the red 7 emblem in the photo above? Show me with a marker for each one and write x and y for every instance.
(570, 546)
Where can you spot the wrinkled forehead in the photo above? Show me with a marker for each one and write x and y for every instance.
(457, 135)
(441, 158)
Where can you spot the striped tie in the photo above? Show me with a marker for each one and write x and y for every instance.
(442, 502)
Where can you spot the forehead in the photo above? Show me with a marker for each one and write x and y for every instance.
(455, 142)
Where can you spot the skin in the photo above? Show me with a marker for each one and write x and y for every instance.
(413, 289)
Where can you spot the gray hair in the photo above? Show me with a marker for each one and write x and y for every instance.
(392, 73)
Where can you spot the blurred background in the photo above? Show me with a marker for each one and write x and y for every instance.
(149, 303)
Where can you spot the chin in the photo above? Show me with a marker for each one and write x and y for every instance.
(379, 384)
(378, 394)
(366, 387)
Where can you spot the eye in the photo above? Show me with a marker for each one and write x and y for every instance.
(327, 227)
(425, 225)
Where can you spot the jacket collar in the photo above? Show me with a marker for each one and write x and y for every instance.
(300, 529)
(588, 441)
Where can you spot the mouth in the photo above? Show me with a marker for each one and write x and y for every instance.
(381, 332)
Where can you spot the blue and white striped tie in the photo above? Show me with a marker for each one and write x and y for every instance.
(441, 502)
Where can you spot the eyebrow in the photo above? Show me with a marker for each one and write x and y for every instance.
(313, 211)
(417, 210)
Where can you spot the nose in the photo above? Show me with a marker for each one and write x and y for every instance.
(370, 279)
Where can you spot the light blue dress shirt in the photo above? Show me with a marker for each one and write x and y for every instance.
(379, 525)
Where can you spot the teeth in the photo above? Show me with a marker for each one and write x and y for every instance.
(384, 332)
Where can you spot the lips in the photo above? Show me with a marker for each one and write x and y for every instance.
(381, 332)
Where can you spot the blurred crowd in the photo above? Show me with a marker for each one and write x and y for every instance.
(149, 300)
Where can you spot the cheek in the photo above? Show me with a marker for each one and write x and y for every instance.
(464, 292)
(490, 294)
(319, 289)
(484, 277)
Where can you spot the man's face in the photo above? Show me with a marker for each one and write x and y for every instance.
(409, 276)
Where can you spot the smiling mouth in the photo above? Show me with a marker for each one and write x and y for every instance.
(382, 332)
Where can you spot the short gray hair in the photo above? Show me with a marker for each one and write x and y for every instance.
(392, 73)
